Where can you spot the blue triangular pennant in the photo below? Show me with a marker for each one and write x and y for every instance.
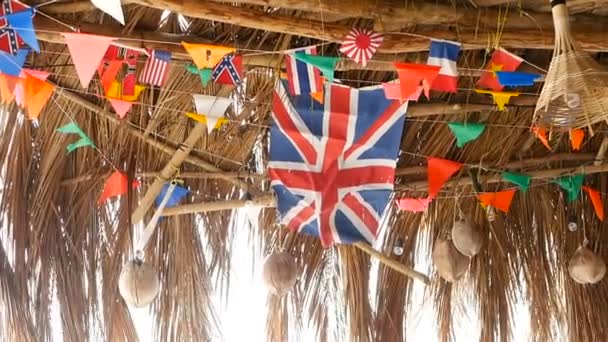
(12, 65)
(21, 22)
(176, 196)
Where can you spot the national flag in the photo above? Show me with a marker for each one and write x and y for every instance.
(229, 70)
(9, 39)
(302, 78)
(502, 60)
(444, 53)
(332, 167)
(117, 56)
(360, 45)
(156, 68)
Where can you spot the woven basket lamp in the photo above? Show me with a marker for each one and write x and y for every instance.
(575, 93)
(280, 273)
(138, 283)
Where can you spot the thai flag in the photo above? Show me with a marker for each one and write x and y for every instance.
(444, 53)
(302, 78)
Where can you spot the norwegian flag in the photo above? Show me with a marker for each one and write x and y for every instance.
(302, 78)
(332, 167)
(156, 69)
(9, 40)
(229, 70)
(360, 45)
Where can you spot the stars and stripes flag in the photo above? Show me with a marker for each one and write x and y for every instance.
(332, 166)
(229, 70)
(360, 45)
(302, 78)
(9, 39)
(156, 69)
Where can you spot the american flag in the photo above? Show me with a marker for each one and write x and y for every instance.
(156, 69)
(9, 40)
(303, 78)
(333, 167)
(229, 70)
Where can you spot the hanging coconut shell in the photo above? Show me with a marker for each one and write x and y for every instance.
(466, 238)
(138, 283)
(280, 272)
(586, 267)
(449, 262)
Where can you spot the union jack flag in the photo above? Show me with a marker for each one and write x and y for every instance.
(229, 70)
(333, 167)
(9, 40)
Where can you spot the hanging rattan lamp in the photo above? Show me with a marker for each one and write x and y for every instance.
(575, 93)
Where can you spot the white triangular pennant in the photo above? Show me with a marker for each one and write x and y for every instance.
(213, 107)
(112, 8)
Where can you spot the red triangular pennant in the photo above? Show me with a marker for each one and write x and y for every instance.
(121, 107)
(576, 139)
(438, 172)
(415, 205)
(411, 76)
(116, 185)
(596, 200)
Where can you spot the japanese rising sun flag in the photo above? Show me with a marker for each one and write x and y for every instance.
(360, 45)
(332, 166)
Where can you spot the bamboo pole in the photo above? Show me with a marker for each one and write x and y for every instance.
(265, 200)
(386, 261)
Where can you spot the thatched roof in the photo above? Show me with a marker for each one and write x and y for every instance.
(56, 239)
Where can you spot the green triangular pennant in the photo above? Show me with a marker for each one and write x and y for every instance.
(571, 184)
(204, 74)
(72, 128)
(85, 141)
(465, 132)
(325, 64)
(520, 179)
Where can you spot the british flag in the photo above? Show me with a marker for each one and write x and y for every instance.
(333, 167)
(9, 40)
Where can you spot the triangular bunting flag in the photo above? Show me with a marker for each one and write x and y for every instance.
(411, 76)
(115, 92)
(571, 184)
(415, 205)
(12, 65)
(39, 74)
(177, 195)
(206, 56)
(213, 107)
(121, 107)
(86, 50)
(116, 185)
(438, 172)
(112, 8)
(596, 200)
(21, 23)
(72, 128)
(392, 91)
(204, 74)
(203, 119)
(326, 64)
(465, 132)
(576, 139)
(7, 87)
(501, 98)
(519, 179)
(500, 200)
(36, 94)
(516, 79)
(541, 134)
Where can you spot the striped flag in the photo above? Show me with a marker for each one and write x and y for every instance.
(444, 53)
(302, 78)
(156, 69)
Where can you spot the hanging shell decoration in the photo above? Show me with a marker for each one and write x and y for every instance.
(466, 238)
(449, 262)
(138, 283)
(586, 267)
(280, 273)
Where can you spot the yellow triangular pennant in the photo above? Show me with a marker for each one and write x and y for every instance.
(203, 119)
(115, 92)
(501, 98)
(205, 55)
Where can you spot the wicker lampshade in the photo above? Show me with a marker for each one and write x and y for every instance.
(280, 273)
(466, 238)
(449, 262)
(575, 93)
(138, 283)
(586, 267)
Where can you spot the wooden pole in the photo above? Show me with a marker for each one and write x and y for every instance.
(386, 261)
(266, 200)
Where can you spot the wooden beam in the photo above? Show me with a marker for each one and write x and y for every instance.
(592, 40)
(497, 178)
(264, 200)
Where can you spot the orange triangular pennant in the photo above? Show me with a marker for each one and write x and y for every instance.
(7, 86)
(596, 200)
(116, 185)
(541, 134)
(438, 172)
(36, 94)
(576, 139)
(500, 200)
(411, 76)
(206, 56)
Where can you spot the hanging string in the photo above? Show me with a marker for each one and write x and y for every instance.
(151, 226)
